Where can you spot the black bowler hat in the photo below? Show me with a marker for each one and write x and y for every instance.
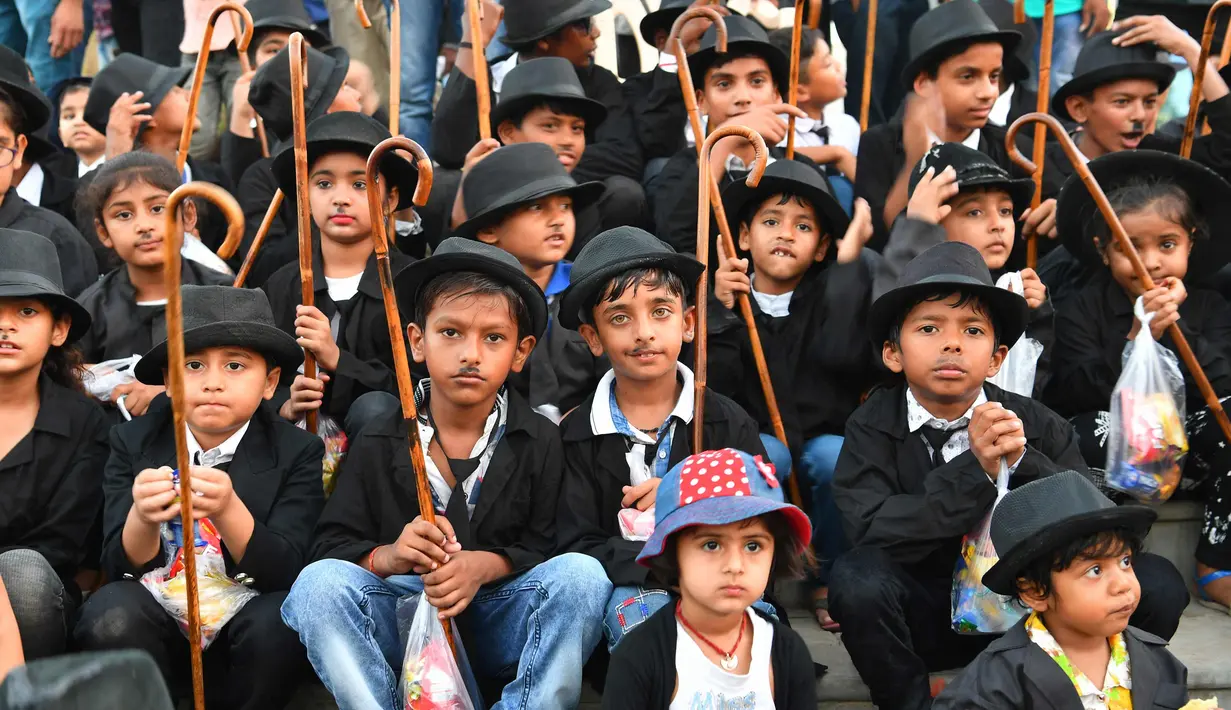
(1016, 64)
(348, 132)
(15, 81)
(517, 175)
(528, 21)
(743, 35)
(1100, 62)
(30, 268)
(539, 80)
(661, 19)
(288, 15)
(974, 169)
(1041, 516)
(460, 254)
(270, 91)
(951, 265)
(129, 73)
(948, 29)
(794, 178)
(218, 316)
(1077, 215)
(610, 254)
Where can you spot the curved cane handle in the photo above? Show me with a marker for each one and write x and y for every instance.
(376, 210)
(694, 13)
(758, 144)
(198, 74)
(241, 43)
(223, 200)
(1207, 42)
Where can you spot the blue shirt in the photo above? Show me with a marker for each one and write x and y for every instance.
(662, 452)
(316, 10)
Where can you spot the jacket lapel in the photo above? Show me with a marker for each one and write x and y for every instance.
(254, 458)
(499, 470)
(1143, 668)
(1049, 680)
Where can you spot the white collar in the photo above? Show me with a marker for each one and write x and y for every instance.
(500, 70)
(220, 454)
(31, 187)
(775, 305)
(83, 168)
(1000, 109)
(601, 421)
(917, 416)
(972, 140)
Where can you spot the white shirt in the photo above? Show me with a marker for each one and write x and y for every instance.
(30, 188)
(220, 454)
(345, 288)
(843, 130)
(704, 684)
(601, 422)
(917, 417)
(499, 70)
(773, 305)
(83, 168)
(194, 249)
(1000, 109)
(972, 140)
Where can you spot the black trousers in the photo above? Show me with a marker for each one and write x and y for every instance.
(151, 28)
(255, 663)
(896, 627)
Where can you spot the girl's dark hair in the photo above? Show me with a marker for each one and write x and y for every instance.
(1036, 577)
(64, 365)
(650, 278)
(789, 562)
(1145, 192)
(459, 284)
(124, 170)
(965, 297)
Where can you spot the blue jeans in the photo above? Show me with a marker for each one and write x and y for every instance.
(629, 606)
(816, 465)
(1066, 44)
(25, 26)
(779, 455)
(421, 31)
(538, 628)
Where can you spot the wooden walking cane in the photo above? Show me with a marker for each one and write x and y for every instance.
(1126, 245)
(705, 183)
(869, 53)
(482, 83)
(175, 389)
(814, 14)
(1207, 41)
(395, 57)
(299, 71)
(1040, 131)
(198, 74)
(259, 239)
(246, 67)
(793, 91)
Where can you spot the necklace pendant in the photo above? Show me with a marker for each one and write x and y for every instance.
(729, 662)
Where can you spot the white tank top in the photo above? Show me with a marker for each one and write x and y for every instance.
(705, 686)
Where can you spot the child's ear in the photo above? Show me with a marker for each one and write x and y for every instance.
(590, 335)
(997, 360)
(272, 376)
(892, 357)
(1032, 596)
(802, 94)
(703, 106)
(524, 347)
(690, 324)
(415, 335)
(505, 132)
(923, 84)
(103, 237)
(1078, 108)
(19, 157)
(488, 235)
(822, 248)
(59, 330)
(188, 215)
(745, 238)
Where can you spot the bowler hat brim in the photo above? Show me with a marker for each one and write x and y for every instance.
(579, 294)
(579, 11)
(1009, 39)
(278, 348)
(400, 173)
(583, 195)
(1009, 310)
(314, 37)
(1021, 190)
(1160, 72)
(23, 284)
(659, 20)
(739, 195)
(593, 112)
(34, 107)
(701, 61)
(411, 280)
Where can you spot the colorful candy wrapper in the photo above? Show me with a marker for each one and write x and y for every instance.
(336, 445)
(975, 608)
(431, 678)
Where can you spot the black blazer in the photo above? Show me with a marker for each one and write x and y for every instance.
(276, 472)
(1015, 674)
(561, 369)
(59, 184)
(281, 245)
(78, 267)
(595, 472)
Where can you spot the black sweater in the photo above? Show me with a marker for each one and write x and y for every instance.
(78, 266)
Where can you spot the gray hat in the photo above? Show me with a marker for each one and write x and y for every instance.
(30, 268)
(527, 21)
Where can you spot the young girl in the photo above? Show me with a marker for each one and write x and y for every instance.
(722, 535)
(127, 198)
(1168, 220)
(53, 444)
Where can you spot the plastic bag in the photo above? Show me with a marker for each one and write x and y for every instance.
(975, 608)
(431, 678)
(1146, 442)
(219, 597)
(101, 379)
(336, 446)
(636, 525)
(1016, 374)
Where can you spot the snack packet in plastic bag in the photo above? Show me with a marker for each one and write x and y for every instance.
(1016, 373)
(1146, 442)
(431, 678)
(336, 446)
(636, 525)
(975, 608)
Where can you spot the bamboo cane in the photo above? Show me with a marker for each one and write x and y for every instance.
(814, 14)
(869, 53)
(482, 84)
(299, 72)
(1224, 55)
(395, 57)
(246, 67)
(259, 239)
(198, 74)
(1126, 246)
(175, 389)
(1040, 131)
(705, 183)
(793, 91)
(1207, 42)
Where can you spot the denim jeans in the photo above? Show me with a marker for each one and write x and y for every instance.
(779, 455)
(629, 606)
(816, 466)
(422, 22)
(25, 26)
(537, 628)
(38, 600)
(1066, 44)
(221, 73)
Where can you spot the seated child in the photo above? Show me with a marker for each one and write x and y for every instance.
(810, 295)
(127, 198)
(917, 473)
(493, 468)
(345, 329)
(78, 136)
(522, 199)
(720, 547)
(1169, 206)
(257, 486)
(1062, 539)
(52, 446)
(630, 300)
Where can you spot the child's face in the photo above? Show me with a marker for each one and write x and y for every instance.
(223, 386)
(1164, 247)
(784, 240)
(134, 223)
(172, 113)
(968, 84)
(576, 43)
(270, 43)
(77, 135)
(12, 153)
(1091, 597)
(564, 133)
(338, 194)
(538, 234)
(1116, 116)
(736, 88)
(945, 351)
(826, 80)
(642, 332)
(470, 345)
(28, 329)
(725, 568)
(984, 220)
(348, 98)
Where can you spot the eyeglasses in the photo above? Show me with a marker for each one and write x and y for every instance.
(7, 156)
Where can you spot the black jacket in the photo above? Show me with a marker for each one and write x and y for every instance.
(515, 516)
(642, 673)
(281, 245)
(78, 267)
(891, 497)
(561, 370)
(649, 124)
(595, 472)
(819, 356)
(59, 184)
(52, 479)
(365, 363)
(276, 472)
(118, 329)
(1015, 674)
(1092, 330)
(238, 154)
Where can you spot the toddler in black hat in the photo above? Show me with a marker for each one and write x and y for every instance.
(75, 134)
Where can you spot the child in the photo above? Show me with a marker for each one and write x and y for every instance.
(52, 445)
(75, 134)
(629, 299)
(917, 472)
(273, 23)
(1017, 87)
(810, 294)
(127, 198)
(345, 329)
(1169, 206)
(493, 468)
(521, 199)
(1068, 555)
(721, 547)
(255, 478)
